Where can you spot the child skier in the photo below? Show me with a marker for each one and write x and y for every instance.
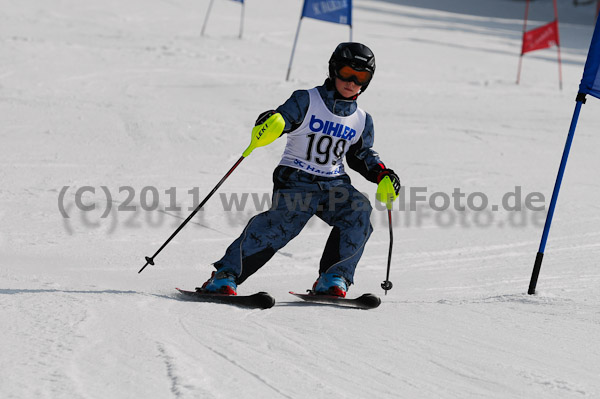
(323, 125)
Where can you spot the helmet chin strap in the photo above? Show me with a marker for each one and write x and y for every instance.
(354, 97)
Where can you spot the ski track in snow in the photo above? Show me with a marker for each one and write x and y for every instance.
(170, 368)
(128, 94)
(233, 362)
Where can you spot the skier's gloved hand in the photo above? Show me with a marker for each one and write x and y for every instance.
(262, 118)
(269, 126)
(388, 187)
(393, 177)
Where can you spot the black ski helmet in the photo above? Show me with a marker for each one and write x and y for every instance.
(355, 55)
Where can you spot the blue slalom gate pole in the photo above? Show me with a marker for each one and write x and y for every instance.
(561, 170)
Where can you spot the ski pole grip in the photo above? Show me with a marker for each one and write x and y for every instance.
(265, 133)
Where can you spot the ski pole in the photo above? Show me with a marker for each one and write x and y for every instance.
(387, 284)
(387, 194)
(150, 259)
(262, 134)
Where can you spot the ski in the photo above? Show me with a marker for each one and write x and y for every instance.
(260, 300)
(365, 301)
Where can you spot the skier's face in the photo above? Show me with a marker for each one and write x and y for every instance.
(346, 89)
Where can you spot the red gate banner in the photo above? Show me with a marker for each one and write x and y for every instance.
(540, 38)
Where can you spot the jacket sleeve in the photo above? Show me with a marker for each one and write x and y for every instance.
(294, 110)
(362, 158)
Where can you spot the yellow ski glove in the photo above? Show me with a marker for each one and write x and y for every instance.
(266, 132)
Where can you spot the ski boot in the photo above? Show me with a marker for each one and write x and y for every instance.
(330, 284)
(220, 283)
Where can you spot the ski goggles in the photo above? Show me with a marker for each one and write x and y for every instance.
(349, 74)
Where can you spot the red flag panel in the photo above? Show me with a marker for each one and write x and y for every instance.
(540, 38)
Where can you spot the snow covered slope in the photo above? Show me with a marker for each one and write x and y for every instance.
(127, 99)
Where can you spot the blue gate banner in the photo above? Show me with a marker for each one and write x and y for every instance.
(590, 83)
(337, 11)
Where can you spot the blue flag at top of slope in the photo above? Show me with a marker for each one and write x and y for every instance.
(337, 11)
(590, 83)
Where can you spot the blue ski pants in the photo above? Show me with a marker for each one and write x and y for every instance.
(298, 196)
